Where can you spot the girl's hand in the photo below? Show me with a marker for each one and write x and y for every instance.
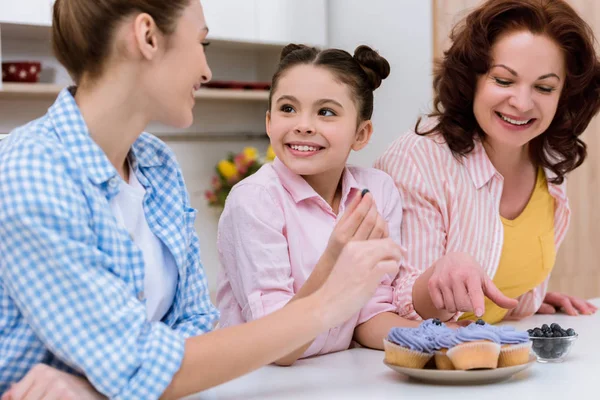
(361, 221)
(569, 304)
(46, 383)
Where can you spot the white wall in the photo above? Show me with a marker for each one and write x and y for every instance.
(401, 30)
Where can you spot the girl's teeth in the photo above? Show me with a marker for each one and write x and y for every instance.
(303, 148)
(513, 121)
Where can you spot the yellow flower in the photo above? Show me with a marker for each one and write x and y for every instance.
(270, 154)
(227, 169)
(250, 153)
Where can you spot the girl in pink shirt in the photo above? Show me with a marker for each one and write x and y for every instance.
(283, 227)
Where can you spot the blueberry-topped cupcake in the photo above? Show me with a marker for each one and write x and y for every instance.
(433, 328)
(408, 347)
(479, 347)
(515, 346)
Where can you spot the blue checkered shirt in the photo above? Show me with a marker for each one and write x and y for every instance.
(71, 278)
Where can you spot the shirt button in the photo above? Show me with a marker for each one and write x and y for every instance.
(114, 182)
(141, 296)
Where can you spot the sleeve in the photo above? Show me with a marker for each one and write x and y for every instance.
(383, 299)
(66, 288)
(422, 232)
(253, 251)
(198, 314)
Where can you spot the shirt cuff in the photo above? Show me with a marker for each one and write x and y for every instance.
(382, 301)
(162, 355)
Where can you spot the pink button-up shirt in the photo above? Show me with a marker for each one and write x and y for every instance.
(272, 232)
(452, 205)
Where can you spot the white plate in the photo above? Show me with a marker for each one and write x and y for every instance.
(475, 377)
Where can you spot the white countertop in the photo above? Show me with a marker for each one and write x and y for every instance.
(361, 374)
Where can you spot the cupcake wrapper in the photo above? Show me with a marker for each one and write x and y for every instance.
(514, 354)
(404, 357)
(475, 355)
(442, 361)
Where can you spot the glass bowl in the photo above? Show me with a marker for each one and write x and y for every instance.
(552, 349)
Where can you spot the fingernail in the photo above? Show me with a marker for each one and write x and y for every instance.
(479, 312)
(364, 192)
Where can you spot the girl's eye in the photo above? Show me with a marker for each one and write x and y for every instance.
(205, 44)
(326, 112)
(286, 108)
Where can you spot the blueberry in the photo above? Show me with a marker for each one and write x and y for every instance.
(548, 345)
(436, 321)
(557, 334)
(538, 344)
(480, 322)
(555, 327)
(548, 334)
(530, 331)
(537, 332)
(571, 332)
(545, 327)
(364, 192)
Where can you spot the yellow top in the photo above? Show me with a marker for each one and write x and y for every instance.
(528, 253)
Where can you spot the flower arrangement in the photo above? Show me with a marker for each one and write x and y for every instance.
(233, 169)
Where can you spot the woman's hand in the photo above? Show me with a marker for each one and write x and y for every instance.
(46, 383)
(355, 277)
(569, 304)
(459, 283)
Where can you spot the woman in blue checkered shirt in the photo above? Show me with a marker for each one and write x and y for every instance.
(102, 292)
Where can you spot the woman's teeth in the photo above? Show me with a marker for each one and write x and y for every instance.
(514, 121)
(303, 148)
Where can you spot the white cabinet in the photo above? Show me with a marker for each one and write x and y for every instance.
(27, 12)
(231, 19)
(268, 21)
(292, 21)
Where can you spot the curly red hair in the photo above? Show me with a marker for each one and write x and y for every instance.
(559, 148)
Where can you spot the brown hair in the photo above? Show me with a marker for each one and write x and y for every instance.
(363, 72)
(83, 30)
(559, 147)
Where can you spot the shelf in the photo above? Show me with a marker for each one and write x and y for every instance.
(43, 33)
(45, 90)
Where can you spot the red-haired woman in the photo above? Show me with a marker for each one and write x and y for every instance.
(483, 177)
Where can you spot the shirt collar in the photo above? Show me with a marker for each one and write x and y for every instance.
(300, 190)
(72, 130)
(479, 166)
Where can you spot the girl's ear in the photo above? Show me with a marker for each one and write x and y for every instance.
(363, 135)
(268, 123)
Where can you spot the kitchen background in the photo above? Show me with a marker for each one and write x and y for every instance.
(246, 38)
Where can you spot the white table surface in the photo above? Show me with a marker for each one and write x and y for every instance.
(361, 374)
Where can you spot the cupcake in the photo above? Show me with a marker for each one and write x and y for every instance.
(443, 343)
(479, 347)
(515, 346)
(407, 347)
(443, 338)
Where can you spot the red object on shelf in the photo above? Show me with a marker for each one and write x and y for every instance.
(239, 85)
(21, 71)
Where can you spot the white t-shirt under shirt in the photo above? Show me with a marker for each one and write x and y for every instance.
(160, 280)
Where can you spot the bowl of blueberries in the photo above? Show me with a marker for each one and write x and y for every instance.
(552, 343)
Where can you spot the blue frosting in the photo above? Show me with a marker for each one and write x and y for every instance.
(508, 335)
(411, 338)
(475, 332)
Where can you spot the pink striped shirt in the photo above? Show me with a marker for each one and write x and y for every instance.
(452, 205)
(272, 232)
